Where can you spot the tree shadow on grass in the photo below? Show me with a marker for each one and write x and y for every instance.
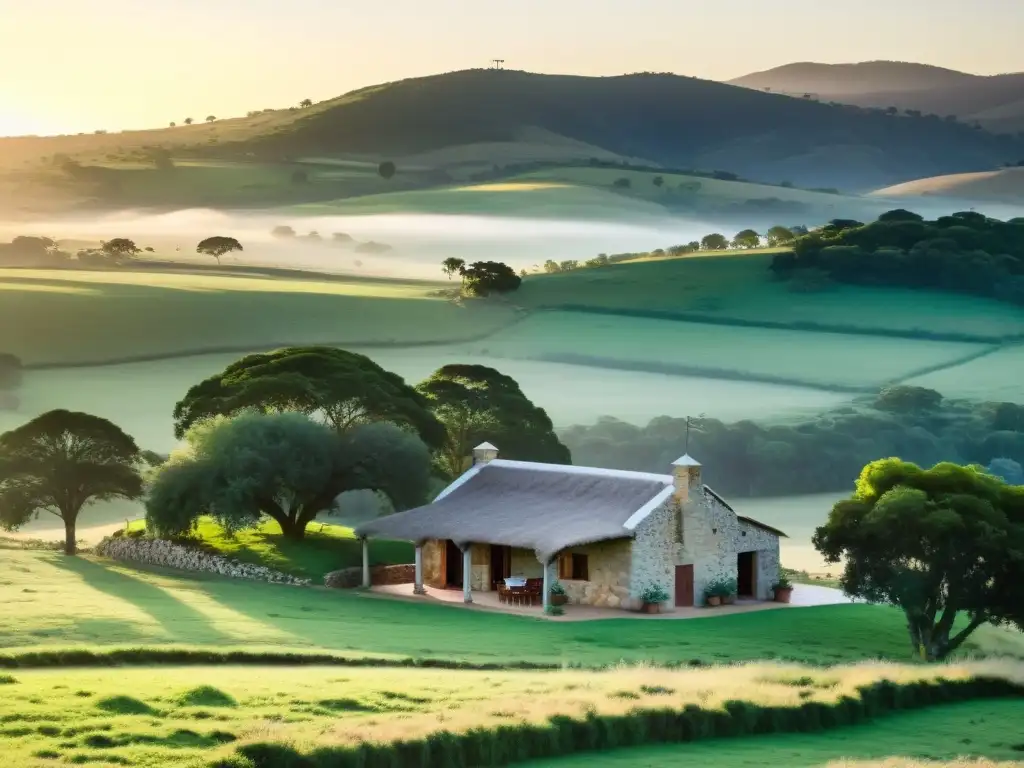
(177, 619)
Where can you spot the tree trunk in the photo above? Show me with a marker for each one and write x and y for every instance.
(290, 527)
(70, 544)
(931, 641)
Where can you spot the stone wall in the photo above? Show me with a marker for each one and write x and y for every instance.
(166, 553)
(526, 564)
(608, 569)
(655, 554)
(766, 545)
(480, 556)
(350, 578)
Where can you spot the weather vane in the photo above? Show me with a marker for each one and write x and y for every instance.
(696, 423)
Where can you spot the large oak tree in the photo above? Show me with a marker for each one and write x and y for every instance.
(341, 388)
(285, 466)
(946, 545)
(60, 462)
(476, 404)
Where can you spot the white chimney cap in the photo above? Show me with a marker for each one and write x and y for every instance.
(485, 447)
(686, 460)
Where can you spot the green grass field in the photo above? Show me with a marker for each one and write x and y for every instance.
(190, 716)
(741, 286)
(530, 199)
(642, 186)
(999, 377)
(117, 315)
(981, 729)
(816, 358)
(51, 601)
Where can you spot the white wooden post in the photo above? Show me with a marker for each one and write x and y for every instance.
(366, 563)
(467, 573)
(417, 588)
(546, 599)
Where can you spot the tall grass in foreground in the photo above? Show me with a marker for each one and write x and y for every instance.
(317, 717)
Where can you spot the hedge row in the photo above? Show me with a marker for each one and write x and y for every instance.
(564, 735)
(186, 656)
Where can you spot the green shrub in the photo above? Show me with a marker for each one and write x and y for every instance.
(655, 593)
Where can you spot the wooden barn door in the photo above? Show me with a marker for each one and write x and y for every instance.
(684, 586)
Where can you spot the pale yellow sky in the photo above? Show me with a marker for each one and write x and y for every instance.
(78, 65)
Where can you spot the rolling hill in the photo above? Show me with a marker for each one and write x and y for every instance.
(1004, 186)
(995, 102)
(441, 123)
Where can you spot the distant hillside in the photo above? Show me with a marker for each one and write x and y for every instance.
(1004, 186)
(995, 102)
(661, 119)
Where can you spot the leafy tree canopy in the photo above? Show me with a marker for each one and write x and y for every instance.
(217, 246)
(482, 278)
(779, 235)
(714, 242)
(453, 266)
(478, 404)
(60, 462)
(939, 543)
(748, 238)
(283, 465)
(120, 249)
(341, 388)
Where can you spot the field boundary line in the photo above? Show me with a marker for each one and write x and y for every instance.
(927, 370)
(803, 326)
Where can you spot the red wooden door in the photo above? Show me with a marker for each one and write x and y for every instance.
(684, 586)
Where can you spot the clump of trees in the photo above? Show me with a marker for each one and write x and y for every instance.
(282, 465)
(821, 454)
(940, 544)
(482, 278)
(966, 252)
(60, 462)
(25, 251)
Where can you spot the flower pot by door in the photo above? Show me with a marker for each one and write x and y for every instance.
(559, 599)
(652, 608)
(714, 600)
(783, 594)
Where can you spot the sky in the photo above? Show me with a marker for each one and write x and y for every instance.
(71, 65)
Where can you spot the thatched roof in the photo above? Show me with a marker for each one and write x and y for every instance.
(543, 507)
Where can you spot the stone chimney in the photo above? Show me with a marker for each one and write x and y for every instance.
(484, 453)
(686, 472)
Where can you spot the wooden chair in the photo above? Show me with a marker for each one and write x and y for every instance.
(535, 591)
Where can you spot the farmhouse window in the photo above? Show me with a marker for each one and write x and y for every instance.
(573, 567)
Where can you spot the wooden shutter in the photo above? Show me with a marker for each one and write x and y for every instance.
(565, 566)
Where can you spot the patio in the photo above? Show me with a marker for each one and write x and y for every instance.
(803, 596)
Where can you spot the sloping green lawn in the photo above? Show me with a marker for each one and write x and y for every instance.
(48, 600)
(324, 548)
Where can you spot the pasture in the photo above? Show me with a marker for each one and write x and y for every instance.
(741, 287)
(817, 359)
(642, 186)
(50, 601)
(150, 717)
(958, 733)
(506, 199)
(118, 315)
(999, 376)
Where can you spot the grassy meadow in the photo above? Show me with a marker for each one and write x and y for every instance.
(49, 601)
(148, 717)
(999, 376)
(823, 359)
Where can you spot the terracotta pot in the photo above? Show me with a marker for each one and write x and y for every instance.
(714, 600)
(782, 594)
(651, 608)
(559, 599)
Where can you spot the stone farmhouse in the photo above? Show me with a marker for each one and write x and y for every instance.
(606, 535)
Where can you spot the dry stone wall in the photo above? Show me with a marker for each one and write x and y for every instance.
(350, 578)
(171, 555)
(608, 569)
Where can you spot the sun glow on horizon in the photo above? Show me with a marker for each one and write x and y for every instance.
(13, 125)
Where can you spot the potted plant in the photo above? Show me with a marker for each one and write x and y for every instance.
(557, 594)
(716, 592)
(730, 588)
(783, 589)
(652, 597)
